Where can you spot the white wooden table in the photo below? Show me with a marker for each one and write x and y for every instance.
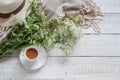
(94, 57)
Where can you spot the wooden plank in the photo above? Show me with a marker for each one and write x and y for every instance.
(64, 68)
(110, 24)
(109, 6)
(94, 45)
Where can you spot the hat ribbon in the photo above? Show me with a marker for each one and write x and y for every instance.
(6, 15)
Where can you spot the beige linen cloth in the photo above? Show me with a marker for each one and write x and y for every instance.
(89, 13)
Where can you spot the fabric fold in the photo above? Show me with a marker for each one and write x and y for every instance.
(87, 11)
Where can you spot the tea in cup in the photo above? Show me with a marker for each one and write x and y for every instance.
(33, 57)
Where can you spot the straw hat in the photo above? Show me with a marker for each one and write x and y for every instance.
(18, 8)
(9, 11)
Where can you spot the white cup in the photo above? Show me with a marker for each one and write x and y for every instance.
(28, 61)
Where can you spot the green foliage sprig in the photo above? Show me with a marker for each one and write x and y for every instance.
(37, 31)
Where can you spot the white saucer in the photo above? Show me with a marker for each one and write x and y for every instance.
(38, 64)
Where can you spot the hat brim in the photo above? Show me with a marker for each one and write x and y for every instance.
(4, 22)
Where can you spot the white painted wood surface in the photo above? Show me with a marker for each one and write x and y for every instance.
(109, 6)
(94, 57)
(110, 24)
(64, 68)
(94, 45)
